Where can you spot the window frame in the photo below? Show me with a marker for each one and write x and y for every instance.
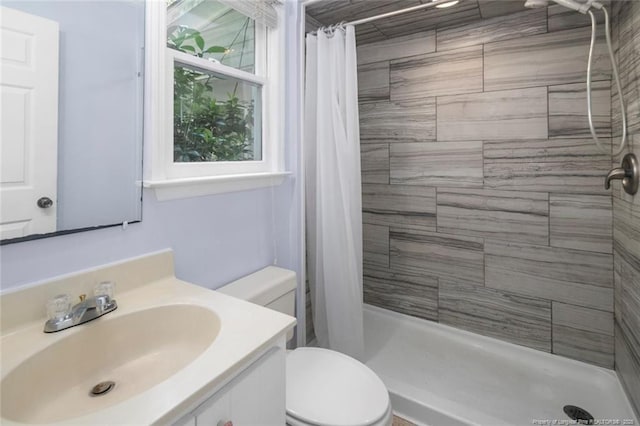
(178, 180)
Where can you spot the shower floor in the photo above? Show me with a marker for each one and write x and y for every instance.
(438, 376)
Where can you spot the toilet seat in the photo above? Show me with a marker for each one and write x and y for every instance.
(327, 388)
(387, 420)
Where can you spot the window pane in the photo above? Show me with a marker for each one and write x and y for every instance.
(211, 30)
(216, 117)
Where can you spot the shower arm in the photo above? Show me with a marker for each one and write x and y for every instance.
(428, 5)
(579, 7)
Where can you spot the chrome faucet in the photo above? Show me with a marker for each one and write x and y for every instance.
(85, 311)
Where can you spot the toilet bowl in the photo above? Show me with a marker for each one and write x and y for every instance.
(324, 387)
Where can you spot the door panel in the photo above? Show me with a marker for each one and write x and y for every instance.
(29, 123)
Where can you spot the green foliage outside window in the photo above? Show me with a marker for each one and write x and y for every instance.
(206, 128)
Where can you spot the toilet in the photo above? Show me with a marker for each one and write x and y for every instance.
(324, 387)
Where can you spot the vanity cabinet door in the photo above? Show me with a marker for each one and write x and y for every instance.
(187, 422)
(218, 411)
(255, 397)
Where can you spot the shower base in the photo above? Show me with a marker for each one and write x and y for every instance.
(439, 376)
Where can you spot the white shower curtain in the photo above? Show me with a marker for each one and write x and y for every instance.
(333, 188)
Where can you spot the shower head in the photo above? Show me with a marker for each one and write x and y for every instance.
(570, 4)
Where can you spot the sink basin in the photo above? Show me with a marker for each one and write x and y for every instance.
(136, 351)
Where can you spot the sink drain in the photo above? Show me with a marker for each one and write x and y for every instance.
(578, 414)
(102, 388)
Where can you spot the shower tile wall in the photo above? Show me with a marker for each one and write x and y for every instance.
(483, 198)
(626, 208)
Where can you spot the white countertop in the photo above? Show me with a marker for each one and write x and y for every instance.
(246, 330)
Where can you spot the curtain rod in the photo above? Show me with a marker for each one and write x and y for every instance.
(397, 12)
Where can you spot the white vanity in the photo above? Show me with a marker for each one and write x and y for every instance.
(177, 353)
(254, 397)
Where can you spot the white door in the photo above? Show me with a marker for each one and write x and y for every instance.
(28, 123)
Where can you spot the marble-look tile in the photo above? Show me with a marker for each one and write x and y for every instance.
(311, 334)
(583, 334)
(399, 421)
(544, 59)
(329, 12)
(528, 22)
(502, 115)
(501, 215)
(583, 345)
(628, 294)
(408, 292)
(368, 33)
(507, 316)
(562, 18)
(440, 255)
(616, 117)
(375, 162)
(437, 74)
(626, 231)
(373, 82)
(311, 24)
(392, 122)
(427, 19)
(570, 276)
(628, 368)
(615, 27)
(615, 10)
(581, 318)
(334, 11)
(549, 165)
(619, 265)
(375, 244)
(321, 11)
(457, 164)
(630, 305)
(581, 222)
(629, 62)
(568, 110)
(492, 8)
(397, 47)
(399, 205)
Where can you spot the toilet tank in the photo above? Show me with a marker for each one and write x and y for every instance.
(271, 287)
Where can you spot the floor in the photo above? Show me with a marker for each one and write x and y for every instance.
(399, 421)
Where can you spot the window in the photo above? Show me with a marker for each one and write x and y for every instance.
(216, 117)
(222, 113)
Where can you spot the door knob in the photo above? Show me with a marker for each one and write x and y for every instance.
(629, 173)
(44, 202)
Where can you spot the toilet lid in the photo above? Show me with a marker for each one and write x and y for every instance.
(332, 389)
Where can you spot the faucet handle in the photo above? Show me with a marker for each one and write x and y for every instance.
(104, 288)
(59, 307)
(82, 297)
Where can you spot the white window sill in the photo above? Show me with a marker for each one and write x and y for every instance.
(173, 189)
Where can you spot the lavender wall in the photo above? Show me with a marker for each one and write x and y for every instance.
(215, 239)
